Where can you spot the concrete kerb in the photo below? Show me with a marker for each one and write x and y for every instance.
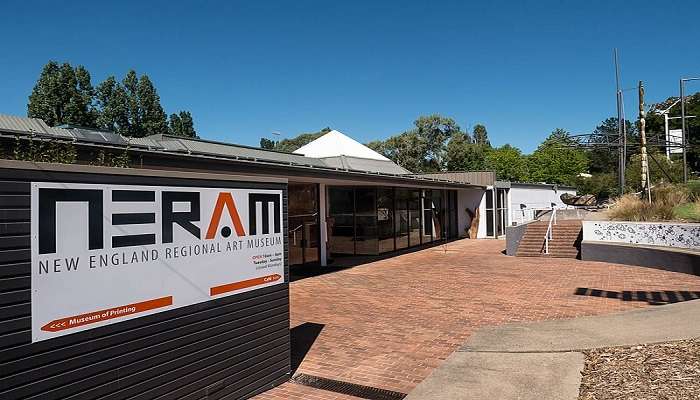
(544, 359)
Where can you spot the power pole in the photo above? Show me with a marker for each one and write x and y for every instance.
(620, 130)
(685, 143)
(646, 190)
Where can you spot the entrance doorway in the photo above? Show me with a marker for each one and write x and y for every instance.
(303, 220)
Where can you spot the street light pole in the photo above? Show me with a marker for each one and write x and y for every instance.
(683, 129)
(685, 160)
(622, 156)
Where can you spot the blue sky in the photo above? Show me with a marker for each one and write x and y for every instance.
(367, 68)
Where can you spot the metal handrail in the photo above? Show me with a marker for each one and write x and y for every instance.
(548, 236)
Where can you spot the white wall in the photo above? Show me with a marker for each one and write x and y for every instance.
(534, 198)
(472, 199)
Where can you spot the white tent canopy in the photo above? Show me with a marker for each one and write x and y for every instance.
(334, 144)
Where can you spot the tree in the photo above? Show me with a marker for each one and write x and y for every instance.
(509, 163)
(655, 127)
(461, 155)
(132, 108)
(153, 118)
(481, 137)
(603, 158)
(63, 95)
(660, 170)
(267, 144)
(434, 131)
(557, 160)
(113, 104)
(289, 145)
(408, 150)
(182, 125)
(131, 83)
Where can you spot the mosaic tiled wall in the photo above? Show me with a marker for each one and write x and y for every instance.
(668, 234)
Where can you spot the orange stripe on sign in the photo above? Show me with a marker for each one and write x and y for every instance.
(103, 315)
(230, 287)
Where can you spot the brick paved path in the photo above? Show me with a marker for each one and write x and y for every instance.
(389, 323)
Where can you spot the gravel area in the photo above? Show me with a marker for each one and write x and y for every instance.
(656, 371)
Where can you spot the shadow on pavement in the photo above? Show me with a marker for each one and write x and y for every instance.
(303, 337)
(652, 297)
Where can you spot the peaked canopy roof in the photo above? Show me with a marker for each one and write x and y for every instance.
(334, 144)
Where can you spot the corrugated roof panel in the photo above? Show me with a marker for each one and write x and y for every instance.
(22, 124)
(145, 142)
(228, 150)
(365, 164)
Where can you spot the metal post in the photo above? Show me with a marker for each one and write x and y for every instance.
(683, 142)
(668, 137)
(620, 129)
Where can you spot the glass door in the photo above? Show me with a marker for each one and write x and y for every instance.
(303, 223)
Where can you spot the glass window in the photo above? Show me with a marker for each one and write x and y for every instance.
(366, 241)
(438, 215)
(385, 219)
(341, 220)
(401, 218)
(415, 218)
(427, 216)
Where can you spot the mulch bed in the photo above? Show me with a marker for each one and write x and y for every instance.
(656, 371)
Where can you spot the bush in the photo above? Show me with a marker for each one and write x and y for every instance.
(665, 198)
(603, 186)
(694, 188)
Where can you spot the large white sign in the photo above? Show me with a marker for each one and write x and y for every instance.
(102, 254)
(675, 141)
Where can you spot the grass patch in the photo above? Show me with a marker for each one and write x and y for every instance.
(688, 211)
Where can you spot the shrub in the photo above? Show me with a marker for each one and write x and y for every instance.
(665, 198)
(694, 188)
(628, 208)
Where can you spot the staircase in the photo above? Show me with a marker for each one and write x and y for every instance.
(565, 243)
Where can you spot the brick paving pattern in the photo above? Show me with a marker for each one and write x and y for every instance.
(389, 323)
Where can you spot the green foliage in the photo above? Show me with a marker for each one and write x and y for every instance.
(182, 125)
(63, 95)
(694, 188)
(509, 163)
(688, 211)
(112, 159)
(481, 136)
(30, 149)
(605, 159)
(658, 171)
(461, 155)
(423, 148)
(409, 151)
(289, 145)
(113, 102)
(267, 144)
(557, 160)
(655, 127)
(153, 118)
(602, 185)
(665, 199)
(434, 131)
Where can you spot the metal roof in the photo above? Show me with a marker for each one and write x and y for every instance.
(168, 144)
(365, 164)
(199, 146)
(484, 178)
